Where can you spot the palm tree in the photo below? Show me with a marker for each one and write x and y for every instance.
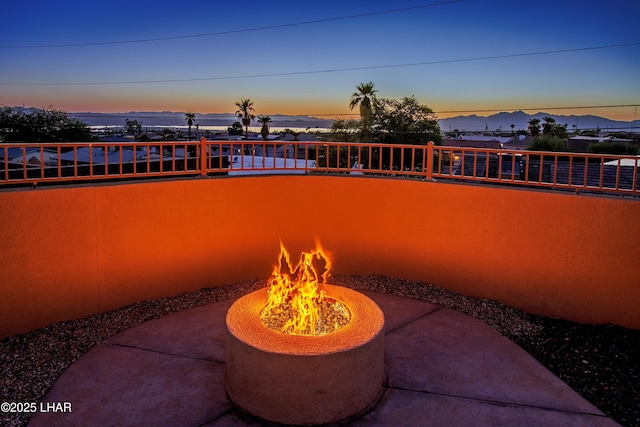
(191, 118)
(265, 120)
(244, 113)
(548, 125)
(534, 127)
(365, 97)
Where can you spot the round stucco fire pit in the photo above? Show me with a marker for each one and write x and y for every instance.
(301, 379)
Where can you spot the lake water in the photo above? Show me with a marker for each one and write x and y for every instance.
(252, 129)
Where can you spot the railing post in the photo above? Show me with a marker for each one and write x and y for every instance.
(203, 156)
(429, 172)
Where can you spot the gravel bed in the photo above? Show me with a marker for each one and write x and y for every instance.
(602, 363)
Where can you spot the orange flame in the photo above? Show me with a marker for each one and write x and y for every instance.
(298, 288)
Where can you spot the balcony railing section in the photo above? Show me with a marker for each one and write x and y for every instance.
(42, 163)
(35, 164)
(557, 170)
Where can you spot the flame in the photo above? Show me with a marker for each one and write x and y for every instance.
(297, 290)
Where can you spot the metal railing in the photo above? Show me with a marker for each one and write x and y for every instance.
(54, 163)
(600, 173)
(35, 164)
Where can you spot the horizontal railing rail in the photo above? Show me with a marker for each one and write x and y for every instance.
(35, 164)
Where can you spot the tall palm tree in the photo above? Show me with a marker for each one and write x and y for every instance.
(190, 118)
(365, 97)
(265, 120)
(534, 127)
(548, 125)
(245, 114)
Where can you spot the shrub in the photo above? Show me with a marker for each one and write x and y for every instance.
(548, 143)
(235, 129)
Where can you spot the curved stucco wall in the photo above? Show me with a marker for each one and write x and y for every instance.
(73, 251)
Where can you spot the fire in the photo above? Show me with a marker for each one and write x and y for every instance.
(296, 303)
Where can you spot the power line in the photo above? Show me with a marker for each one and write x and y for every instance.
(489, 110)
(333, 70)
(496, 110)
(218, 33)
(486, 110)
(505, 110)
(478, 128)
(575, 107)
(155, 115)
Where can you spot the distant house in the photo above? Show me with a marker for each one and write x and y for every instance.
(253, 165)
(580, 144)
(477, 141)
(98, 156)
(302, 136)
(291, 151)
(632, 162)
(29, 156)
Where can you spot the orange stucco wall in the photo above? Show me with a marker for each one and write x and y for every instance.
(73, 251)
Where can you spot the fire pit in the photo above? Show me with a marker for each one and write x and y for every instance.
(311, 374)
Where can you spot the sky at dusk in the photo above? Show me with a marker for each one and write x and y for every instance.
(296, 57)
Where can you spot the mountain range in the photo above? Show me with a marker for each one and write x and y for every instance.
(472, 123)
(520, 121)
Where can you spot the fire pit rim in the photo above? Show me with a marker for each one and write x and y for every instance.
(367, 321)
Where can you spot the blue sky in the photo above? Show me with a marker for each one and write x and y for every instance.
(301, 67)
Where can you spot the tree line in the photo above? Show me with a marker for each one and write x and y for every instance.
(19, 124)
(552, 136)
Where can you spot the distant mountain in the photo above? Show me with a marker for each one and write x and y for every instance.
(174, 119)
(520, 120)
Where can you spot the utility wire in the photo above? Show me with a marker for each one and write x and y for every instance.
(481, 110)
(503, 110)
(496, 110)
(577, 107)
(218, 33)
(333, 70)
(476, 128)
(487, 110)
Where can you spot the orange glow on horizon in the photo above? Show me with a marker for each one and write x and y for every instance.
(330, 109)
(115, 105)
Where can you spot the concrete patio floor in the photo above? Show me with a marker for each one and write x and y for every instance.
(443, 368)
